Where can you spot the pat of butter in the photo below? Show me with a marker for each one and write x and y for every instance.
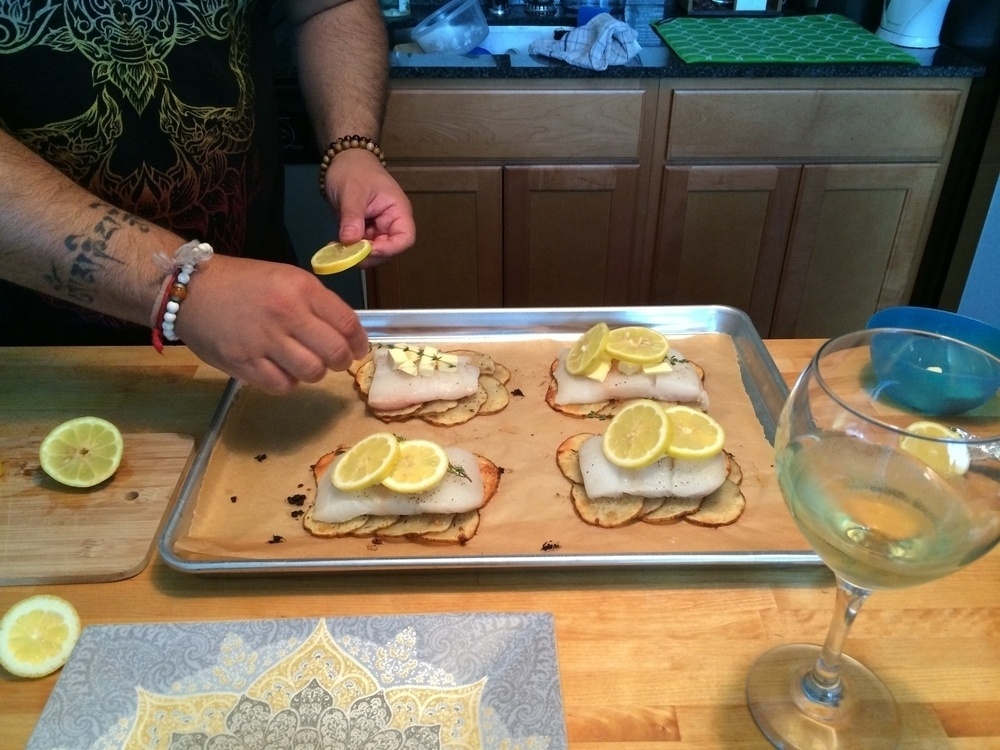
(629, 368)
(447, 362)
(600, 371)
(658, 369)
(427, 365)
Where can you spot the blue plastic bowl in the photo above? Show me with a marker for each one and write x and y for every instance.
(935, 376)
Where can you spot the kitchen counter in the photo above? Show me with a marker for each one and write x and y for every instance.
(647, 658)
(655, 60)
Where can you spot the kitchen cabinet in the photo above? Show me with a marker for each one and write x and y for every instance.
(806, 206)
(524, 194)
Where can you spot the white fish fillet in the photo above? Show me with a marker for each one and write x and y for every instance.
(454, 494)
(393, 389)
(682, 385)
(668, 477)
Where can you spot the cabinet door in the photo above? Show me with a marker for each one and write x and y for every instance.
(721, 237)
(570, 234)
(456, 260)
(854, 248)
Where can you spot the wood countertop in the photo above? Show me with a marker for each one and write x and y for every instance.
(647, 658)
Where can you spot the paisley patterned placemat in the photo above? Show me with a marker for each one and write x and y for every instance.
(421, 682)
(827, 38)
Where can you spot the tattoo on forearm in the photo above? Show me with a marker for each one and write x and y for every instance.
(88, 256)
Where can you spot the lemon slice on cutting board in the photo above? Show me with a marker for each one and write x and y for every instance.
(422, 465)
(694, 434)
(37, 635)
(950, 460)
(82, 452)
(367, 463)
(637, 436)
(587, 350)
(337, 257)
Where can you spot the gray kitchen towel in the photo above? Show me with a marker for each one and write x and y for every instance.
(603, 41)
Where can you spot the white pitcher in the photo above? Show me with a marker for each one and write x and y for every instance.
(912, 23)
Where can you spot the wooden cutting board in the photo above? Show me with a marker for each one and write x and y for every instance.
(55, 534)
(50, 533)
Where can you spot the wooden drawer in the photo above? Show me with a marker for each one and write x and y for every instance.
(837, 124)
(502, 124)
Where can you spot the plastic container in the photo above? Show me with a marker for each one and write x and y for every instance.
(938, 377)
(458, 26)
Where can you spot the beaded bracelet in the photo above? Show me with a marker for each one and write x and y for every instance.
(181, 266)
(343, 144)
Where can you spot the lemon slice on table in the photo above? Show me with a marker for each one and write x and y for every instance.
(637, 344)
(337, 257)
(421, 465)
(37, 635)
(637, 436)
(694, 434)
(947, 459)
(588, 350)
(82, 452)
(367, 463)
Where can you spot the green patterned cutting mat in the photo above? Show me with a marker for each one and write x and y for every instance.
(786, 39)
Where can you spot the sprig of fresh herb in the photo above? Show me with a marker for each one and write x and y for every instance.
(458, 471)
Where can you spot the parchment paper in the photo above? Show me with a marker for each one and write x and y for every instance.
(262, 465)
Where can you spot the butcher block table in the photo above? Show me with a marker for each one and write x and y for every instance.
(647, 658)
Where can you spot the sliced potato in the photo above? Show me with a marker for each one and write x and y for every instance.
(490, 473)
(417, 524)
(462, 412)
(501, 373)
(673, 509)
(721, 508)
(497, 396)
(357, 364)
(363, 377)
(395, 415)
(331, 530)
(463, 527)
(568, 456)
(374, 524)
(608, 513)
(483, 361)
(436, 407)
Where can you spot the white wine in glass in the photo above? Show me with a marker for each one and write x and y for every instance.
(888, 457)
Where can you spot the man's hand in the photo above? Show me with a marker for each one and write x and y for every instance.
(369, 204)
(269, 324)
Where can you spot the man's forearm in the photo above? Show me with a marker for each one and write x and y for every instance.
(343, 68)
(59, 239)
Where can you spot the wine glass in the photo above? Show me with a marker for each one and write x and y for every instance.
(888, 457)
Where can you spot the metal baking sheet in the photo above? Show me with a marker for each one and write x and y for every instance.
(760, 377)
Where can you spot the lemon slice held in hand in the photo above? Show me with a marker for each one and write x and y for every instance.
(587, 350)
(950, 460)
(37, 635)
(337, 257)
(367, 463)
(694, 434)
(637, 436)
(422, 465)
(82, 452)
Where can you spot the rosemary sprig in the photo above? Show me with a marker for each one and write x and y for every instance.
(458, 471)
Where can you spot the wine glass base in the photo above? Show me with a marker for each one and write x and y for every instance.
(866, 716)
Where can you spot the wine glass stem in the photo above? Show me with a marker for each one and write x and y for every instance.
(823, 685)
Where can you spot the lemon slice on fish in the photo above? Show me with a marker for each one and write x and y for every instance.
(637, 436)
(637, 344)
(337, 257)
(367, 463)
(588, 350)
(422, 465)
(694, 434)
